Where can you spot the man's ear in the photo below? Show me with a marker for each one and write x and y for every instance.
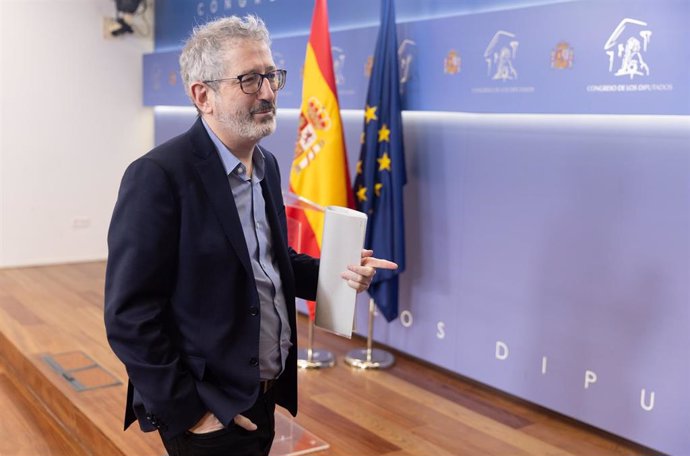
(202, 96)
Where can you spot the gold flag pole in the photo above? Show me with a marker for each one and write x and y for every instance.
(370, 358)
(308, 358)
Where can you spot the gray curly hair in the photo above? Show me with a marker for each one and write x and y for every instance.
(202, 57)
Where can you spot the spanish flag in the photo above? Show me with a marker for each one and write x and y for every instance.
(319, 172)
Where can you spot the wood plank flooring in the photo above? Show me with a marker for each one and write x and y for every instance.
(412, 409)
(22, 415)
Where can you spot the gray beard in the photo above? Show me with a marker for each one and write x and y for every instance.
(245, 126)
(249, 129)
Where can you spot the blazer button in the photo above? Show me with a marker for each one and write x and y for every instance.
(254, 362)
(253, 311)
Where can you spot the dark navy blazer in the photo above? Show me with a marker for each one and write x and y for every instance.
(181, 306)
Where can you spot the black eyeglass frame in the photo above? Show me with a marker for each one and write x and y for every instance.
(280, 73)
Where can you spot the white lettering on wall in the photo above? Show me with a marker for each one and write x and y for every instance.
(501, 350)
(406, 318)
(215, 5)
(441, 330)
(647, 398)
(648, 407)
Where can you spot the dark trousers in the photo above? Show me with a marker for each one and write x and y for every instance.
(232, 440)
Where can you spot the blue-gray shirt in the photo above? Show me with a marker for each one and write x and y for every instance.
(274, 336)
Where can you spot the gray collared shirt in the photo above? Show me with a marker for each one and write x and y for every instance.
(274, 336)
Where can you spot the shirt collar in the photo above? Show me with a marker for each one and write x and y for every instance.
(230, 162)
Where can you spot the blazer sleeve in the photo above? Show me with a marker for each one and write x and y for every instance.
(140, 277)
(306, 269)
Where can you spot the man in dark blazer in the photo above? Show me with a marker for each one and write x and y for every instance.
(200, 281)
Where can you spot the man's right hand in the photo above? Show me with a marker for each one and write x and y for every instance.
(245, 423)
(209, 423)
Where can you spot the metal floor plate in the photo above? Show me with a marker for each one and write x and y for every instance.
(80, 371)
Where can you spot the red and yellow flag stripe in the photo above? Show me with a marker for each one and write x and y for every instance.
(319, 171)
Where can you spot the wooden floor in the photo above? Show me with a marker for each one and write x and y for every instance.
(410, 409)
(27, 427)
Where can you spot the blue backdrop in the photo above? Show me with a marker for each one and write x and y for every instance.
(581, 57)
(547, 205)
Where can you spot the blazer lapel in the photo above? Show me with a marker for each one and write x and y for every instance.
(215, 182)
(269, 187)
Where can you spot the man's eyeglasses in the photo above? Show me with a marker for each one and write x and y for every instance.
(251, 83)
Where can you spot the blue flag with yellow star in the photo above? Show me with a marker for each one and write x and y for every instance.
(381, 171)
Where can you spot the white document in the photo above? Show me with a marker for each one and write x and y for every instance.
(343, 238)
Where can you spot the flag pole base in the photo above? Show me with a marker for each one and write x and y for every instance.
(370, 358)
(362, 359)
(308, 358)
(318, 359)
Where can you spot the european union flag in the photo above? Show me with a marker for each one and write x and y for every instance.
(381, 168)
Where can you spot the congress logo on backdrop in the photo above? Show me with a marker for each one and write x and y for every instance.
(562, 56)
(158, 75)
(406, 55)
(500, 55)
(338, 65)
(626, 48)
(406, 52)
(452, 62)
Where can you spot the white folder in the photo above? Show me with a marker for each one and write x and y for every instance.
(343, 238)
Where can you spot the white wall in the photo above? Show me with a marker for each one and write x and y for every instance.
(71, 120)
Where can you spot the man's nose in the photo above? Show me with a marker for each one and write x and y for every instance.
(266, 92)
